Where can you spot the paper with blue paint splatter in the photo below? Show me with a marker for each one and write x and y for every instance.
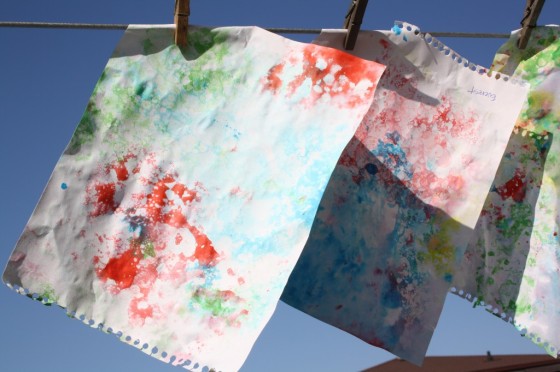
(178, 210)
(512, 266)
(405, 196)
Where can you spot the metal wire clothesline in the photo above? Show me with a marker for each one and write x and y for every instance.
(96, 26)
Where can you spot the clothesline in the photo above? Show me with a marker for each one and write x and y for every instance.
(96, 26)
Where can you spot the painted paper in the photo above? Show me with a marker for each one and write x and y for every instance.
(405, 196)
(185, 196)
(512, 264)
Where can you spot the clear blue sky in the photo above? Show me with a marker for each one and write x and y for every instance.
(46, 78)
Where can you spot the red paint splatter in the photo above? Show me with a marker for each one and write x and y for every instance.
(156, 201)
(120, 168)
(376, 342)
(105, 199)
(432, 125)
(175, 218)
(168, 203)
(240, 281)
(122, 269)
(204, 252)
(400, 81)
(348, 159)
(497, 212)
(273, 80)
(121, 171)
(409, 239)
(184, 193)
(174, 268)
(455, 182)
(230, 272)
(515, 188)
(445, 119)
(139, 308)
(178, 239)
(228, 295)
(330, 71)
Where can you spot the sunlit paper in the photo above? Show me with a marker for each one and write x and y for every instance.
(405, 196)
(178, 210)
(512, 265)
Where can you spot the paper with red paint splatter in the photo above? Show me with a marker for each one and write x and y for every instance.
(187, 192)
(512, 266)
(405, 196)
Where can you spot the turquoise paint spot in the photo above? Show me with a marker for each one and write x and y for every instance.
(405, 38)
(145, 91)
(396, 29)
(63, 186)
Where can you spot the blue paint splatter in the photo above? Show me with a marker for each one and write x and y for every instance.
(394, 156)
(63, 186)
(405, 38)
(136, 224)
(371, 168)
(391, 298)
(396, 29)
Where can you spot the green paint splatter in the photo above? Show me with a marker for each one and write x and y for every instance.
(519, 221)
(509, 307)
(148, 46)
(48, 295)
(215, 302)
(149, 250)
(87, 127)
(540, 110)
(201, 80)
(479, 301)
(202, 40)
(440, 250)
(536, 69)
(523, 306)
(211, 49)
(86, 130)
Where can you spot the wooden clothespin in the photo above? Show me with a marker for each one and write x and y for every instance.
(182, 12)
(353, 22)
(529, 21)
